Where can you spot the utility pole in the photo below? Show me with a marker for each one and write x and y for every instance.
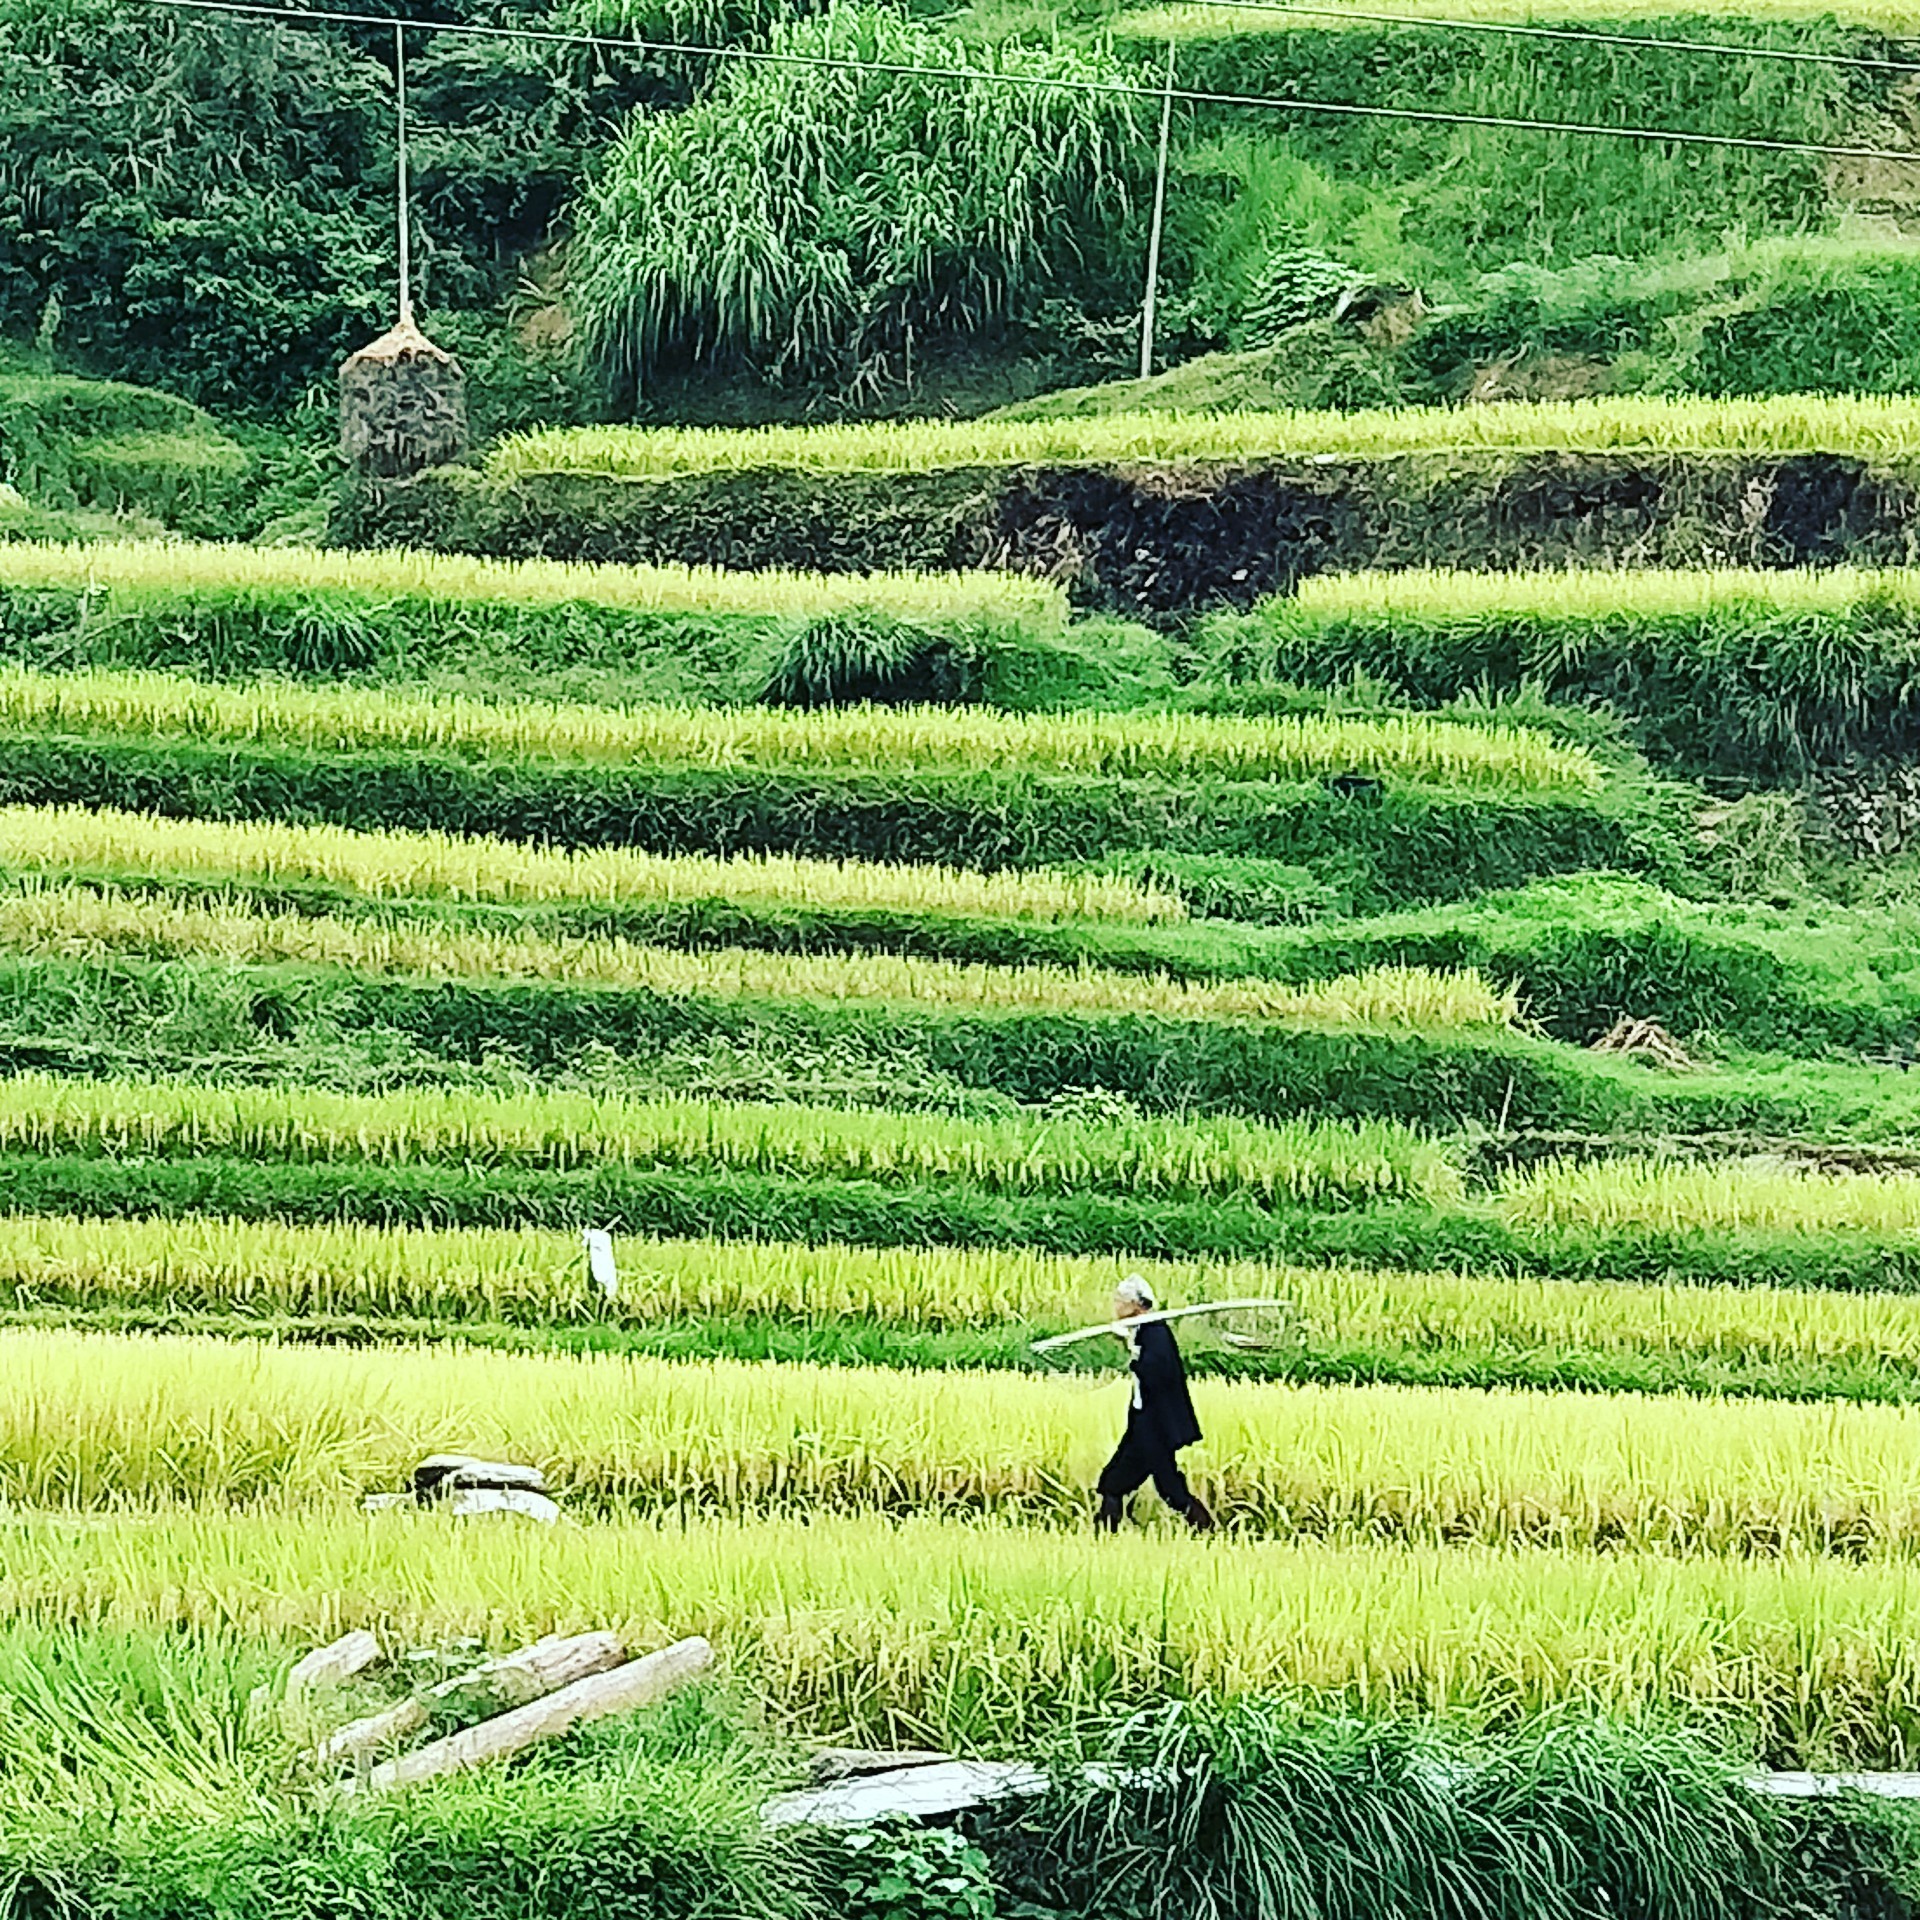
(405, 219)
(1159, 217)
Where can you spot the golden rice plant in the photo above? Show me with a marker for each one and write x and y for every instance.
(1436, 596)
(397, 865)
(1306, 1160)
(835, 739)
(91, 1420)
(1687, 1197)
(1199, 21)
(181, 569)
(74, 922)
(1869, 426)
(202, 1264)
(931, 1630)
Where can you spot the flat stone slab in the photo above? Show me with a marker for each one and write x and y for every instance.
(932, 1790)
(907, 1793)
(1823, 1786)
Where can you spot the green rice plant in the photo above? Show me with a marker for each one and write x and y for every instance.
(1249, 1807)
(142, 1767)
(1548, 1823)
(1165, 745)
(1679, 1197)
(748, 230)
(1317, 1162)
(1867, 427)
(397, 865)
(136, 571)
(932, 1631)
(90, 1421)
(85, 923)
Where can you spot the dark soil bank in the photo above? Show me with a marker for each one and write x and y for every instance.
(1162, 542)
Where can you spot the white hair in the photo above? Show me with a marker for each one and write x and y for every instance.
(1135, 1289)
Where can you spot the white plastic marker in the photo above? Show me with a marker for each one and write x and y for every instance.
(1163, 1313)
(600, 1262)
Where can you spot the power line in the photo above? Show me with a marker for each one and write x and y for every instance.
(1749, 143)
(1527, 30)
(404, 227)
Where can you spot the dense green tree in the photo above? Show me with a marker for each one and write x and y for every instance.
(206, 204)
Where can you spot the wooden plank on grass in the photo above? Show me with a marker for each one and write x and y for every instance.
(531, 1674)
(331, 1665)
(637, 1684)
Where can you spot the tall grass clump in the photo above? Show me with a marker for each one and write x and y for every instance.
(802, 218)
(1240, 1807)
(153, 1775)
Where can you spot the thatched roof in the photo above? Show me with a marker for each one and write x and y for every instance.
(404, 342)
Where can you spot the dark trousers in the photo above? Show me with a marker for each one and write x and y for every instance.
(1137, 1459)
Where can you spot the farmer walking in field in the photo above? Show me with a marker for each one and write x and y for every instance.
(1160, 1420)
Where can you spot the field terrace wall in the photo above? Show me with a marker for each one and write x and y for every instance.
(1159, 541)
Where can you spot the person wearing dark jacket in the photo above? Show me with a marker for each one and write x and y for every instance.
(1160, 1420)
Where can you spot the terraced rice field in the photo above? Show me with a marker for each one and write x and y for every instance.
(887, 1039)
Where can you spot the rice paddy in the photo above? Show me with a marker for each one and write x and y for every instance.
(1202, 22)
(185, 570)
(1302, 1159)
(67, 841)
(89, 1422)
(986, 1635)
(1619, 423)
(74, 921)
(265, 1271)
(1462, 1493)
(885, 739)
(1427, 595)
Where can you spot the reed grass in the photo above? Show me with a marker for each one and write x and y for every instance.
(1314, 1161)
(175, 570)
(84, 923)
(969, 1633)
(397, 865)
(936, 739)
(1870, 427)
(92, 1421)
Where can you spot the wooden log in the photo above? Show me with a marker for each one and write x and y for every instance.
(375, 1731)
(328, 1666)
(636, 1684)
(535, 1671)
(531, 1674)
